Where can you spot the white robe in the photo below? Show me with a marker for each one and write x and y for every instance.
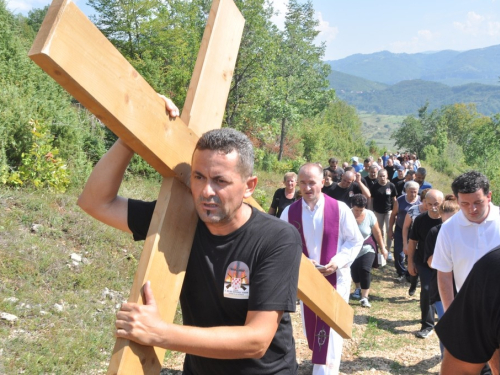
(349, 244)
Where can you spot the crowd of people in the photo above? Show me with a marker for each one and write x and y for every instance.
(242, 275)
(435, 239)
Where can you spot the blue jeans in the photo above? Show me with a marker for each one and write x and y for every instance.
(438, 306)
(399, 255)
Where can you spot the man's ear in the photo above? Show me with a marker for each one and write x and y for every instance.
(251, 183)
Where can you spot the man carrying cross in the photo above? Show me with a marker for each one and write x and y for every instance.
(331, 240)
(243, 329)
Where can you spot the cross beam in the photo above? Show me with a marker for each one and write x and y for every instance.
(74, 53)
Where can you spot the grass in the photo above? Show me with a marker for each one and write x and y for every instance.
(380, 127)
(35, 268)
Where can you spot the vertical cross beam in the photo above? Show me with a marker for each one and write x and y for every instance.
(73, 52)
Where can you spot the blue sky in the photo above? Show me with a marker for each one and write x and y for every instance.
(367, 26)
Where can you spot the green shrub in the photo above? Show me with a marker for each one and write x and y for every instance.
(41, 167)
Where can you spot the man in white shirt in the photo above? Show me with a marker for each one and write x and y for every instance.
(332, 240)
(467, 236)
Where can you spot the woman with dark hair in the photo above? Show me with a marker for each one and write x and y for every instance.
(285, 196)
(362, 266)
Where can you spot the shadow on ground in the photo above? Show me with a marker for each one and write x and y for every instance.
(392, 367)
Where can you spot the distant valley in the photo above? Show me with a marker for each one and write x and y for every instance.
(399, 84)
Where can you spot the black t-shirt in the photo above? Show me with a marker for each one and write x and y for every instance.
(382, 197)
(470, 328)
(419, 231)
(280, 201)
(390, 171)
(336, 173)
(400, 186)
(430, 244)
(255, 268)
(342, 194)
(370, 183)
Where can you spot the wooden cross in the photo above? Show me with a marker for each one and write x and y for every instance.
(73, 51)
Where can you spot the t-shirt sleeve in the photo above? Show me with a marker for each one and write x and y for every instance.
(430, 243)
(274, 281)
(139, 216)
(276, 199)
(442, 260)
(470, 328)
(413, 231)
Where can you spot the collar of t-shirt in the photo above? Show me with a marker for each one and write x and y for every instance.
(493, 215)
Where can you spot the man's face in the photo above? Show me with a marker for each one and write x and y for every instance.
(333, 164)
(409, 177)
(217, 187)
(347, 179)
(310, 183)
(366, 165)
(420, 178)
(401, 173)
(382, 177)
(373, 173)
(475, 206)
(412, 194)
(433, 202)
(390, 163)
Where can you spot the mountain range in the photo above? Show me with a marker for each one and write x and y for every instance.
(399, 84)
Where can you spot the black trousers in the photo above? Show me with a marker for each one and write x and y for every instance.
(361, 270)
(426, 309)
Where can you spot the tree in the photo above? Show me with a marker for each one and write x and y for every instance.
(299, 86)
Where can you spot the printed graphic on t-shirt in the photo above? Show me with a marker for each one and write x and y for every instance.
(388, 191)
(237, 281)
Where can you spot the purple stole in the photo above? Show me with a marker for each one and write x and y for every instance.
(317, 331)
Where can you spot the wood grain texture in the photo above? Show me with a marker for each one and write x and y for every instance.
(75, 54)
(317, 293)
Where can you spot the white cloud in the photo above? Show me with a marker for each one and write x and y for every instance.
(327, 33)
(423, 41)
(425, 34)
(20, 6)
(474, 24)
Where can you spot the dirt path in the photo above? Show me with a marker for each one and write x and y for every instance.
(383, 338)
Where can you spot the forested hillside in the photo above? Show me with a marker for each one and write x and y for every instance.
(48, 140)
(407, 97)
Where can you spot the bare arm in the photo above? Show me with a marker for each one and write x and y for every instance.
(412, 269)
(272, 211)
(392, 219)
(99, 197)
(364, 190)
(445, 286)
(142, 324)
(494, 363)
(454, 366)
(406, 228)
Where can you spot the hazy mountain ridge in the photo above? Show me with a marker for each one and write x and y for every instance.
(399, 84)
(449, 67)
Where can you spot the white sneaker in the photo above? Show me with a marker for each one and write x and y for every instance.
(365, 303)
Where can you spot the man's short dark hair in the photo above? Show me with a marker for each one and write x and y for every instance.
(349, 168)
(470, 182)
(359, 200)
(333, 160)
(227, 140)
(367, 160)
(411, 172)
(422, 171)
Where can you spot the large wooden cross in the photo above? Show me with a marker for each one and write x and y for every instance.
(73, 51)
